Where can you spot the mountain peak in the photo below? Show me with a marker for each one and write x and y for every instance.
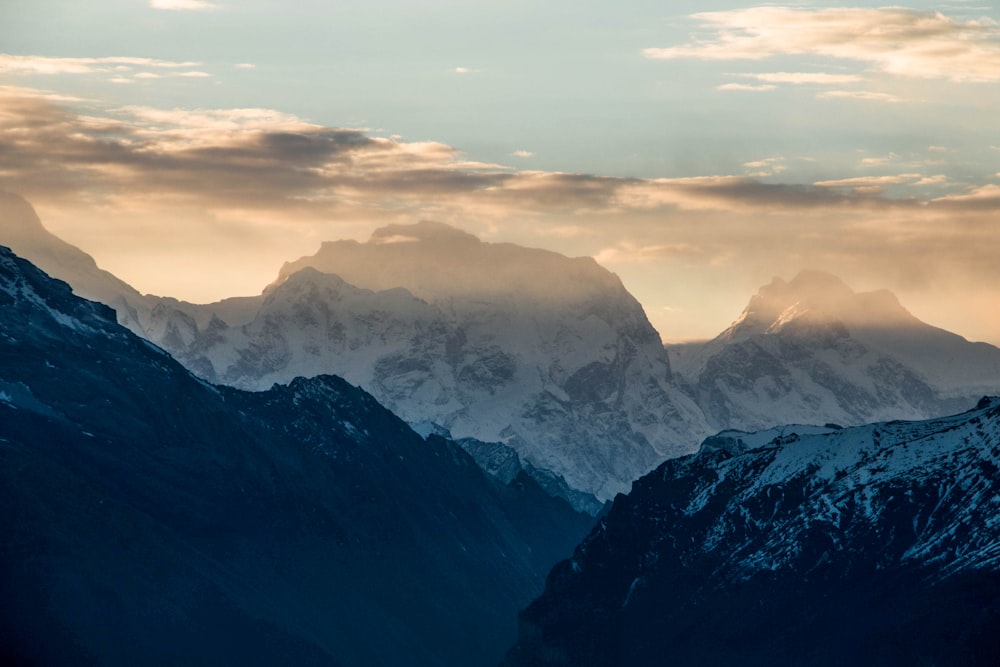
(25, 234)
(437, 262)
(425, 230)
(817, 297)
(20, 221)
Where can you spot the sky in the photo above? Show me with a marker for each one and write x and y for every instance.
(695, 149)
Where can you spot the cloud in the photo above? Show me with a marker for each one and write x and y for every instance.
(226, 158)
(870, 184)
(11, 64)
(119, 69)
(894, 40)
(244, 66)
(878, 161)
(766, 167)
(627, 252)
(261, 172)
(522, 153)
(983, 196)
(745, 87)
(866, 95)
(145, 187)
(183, 5)
(800, 78)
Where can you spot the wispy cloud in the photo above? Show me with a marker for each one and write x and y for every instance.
(894, 40)
(878, 161)
(864, 95)
(766, 167)
(747, 87)
(983, 196)
(522, 153)
(800, 78)
(871, 184)
(228, 157)
(14, 64)
(629, 252)
(257, 173)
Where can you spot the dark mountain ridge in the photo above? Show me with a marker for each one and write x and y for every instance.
(152, 518)
(874, 545)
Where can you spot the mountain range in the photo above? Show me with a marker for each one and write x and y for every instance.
(150, 517)
(195, 483)
(811, 350)
(546, 357)
(874, 545)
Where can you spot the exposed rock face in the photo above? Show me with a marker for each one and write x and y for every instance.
(874, 545)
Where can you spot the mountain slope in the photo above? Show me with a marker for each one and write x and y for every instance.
(546, 354)
(22, 232)
(875, 545)
(152, 518)
(812, 351)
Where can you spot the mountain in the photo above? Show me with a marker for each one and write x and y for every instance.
(22, 232)
(548, 355)
(502, 462)
(149, 517)
(813, 351)
(874, 545)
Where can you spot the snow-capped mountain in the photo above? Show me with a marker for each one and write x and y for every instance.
(812, 350)
(874, 545)
(22, 231)
(148, 516)
(548, 355)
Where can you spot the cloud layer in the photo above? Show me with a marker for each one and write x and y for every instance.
(205, 187)
(894, 40)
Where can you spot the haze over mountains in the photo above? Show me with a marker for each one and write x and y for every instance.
(149, 517)
(546, 357)
(550, 355)
(812, 350)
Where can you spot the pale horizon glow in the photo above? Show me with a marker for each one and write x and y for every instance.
(697, 152)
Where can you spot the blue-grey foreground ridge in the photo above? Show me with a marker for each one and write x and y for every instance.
(802, 545)
(149, 517)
